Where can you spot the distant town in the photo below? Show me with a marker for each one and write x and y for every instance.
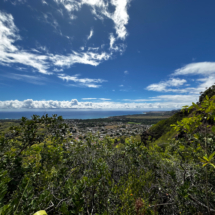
(115, 127)
(102, 129)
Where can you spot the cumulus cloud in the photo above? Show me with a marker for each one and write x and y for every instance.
(169, 102)
(163, 86)
(31, 104)
(86, 82)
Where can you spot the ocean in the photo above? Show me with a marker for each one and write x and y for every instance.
(67, 114)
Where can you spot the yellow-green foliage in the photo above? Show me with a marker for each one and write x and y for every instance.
(5, 126)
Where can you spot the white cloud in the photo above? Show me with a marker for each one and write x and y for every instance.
(204, 83)
(31, 104)
(86, 82)
(121, 85)
(200, 68)
(38, 80)
(15, 2)
(43, 48)
(126, 72)
(163, 86)
(60, 11)
(11, 54)
(170, 99)
(119, 17)
(183, 99)
(57, 70)
(112, 41)
(35, 50)
(102, 99)
(44, 2)
(89, 58)
(141, 100)
(93, 48)
(90, 35)
(169, 103)
(206, 70)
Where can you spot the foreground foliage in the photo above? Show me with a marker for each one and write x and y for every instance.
(42, 168)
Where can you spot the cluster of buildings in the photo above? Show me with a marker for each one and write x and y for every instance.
(79, 129)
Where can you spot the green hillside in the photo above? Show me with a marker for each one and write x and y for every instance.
(163, 126)
(162, 131)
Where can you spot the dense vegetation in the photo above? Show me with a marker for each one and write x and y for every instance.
(208, 92)
(40, 169)
(164, 126)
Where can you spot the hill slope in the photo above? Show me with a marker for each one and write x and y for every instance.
(162, 131)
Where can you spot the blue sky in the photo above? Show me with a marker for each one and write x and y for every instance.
(105, 54)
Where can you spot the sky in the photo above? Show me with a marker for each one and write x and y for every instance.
(105, 54)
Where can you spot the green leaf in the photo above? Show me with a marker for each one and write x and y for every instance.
(212, 165)
(211, 156)
(205, 164)
(205, 158)
(186, 106)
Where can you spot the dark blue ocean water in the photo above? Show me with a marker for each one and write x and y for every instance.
(67, 114)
